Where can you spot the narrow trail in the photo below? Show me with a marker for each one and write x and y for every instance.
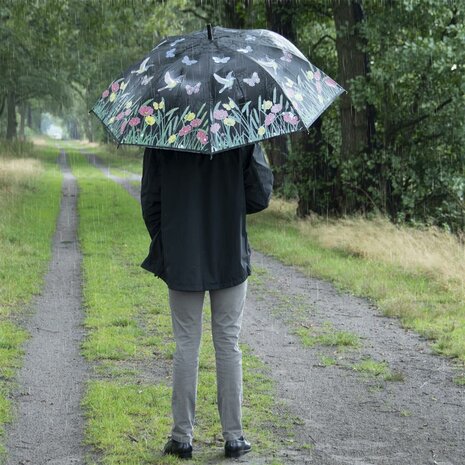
(349, 420)
(48, 426)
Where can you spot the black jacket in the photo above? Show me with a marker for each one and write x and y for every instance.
(195, 210)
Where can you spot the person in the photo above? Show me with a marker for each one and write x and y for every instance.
(194, 207)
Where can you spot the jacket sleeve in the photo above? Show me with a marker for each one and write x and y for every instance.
(258, 180)
(150, 193)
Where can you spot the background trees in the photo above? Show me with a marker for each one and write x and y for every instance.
(393, 144)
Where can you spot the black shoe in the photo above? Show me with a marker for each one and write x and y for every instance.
(181, 449)
(237, 447)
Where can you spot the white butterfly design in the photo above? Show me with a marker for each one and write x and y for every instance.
(252, 80)
(249, 37)
(192, 89)
(146, 80)
(286, 56)
(170, 53)
(246, 49)
(221, 60)
(188, 62)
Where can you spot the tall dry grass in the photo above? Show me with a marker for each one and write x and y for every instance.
(430, 251)
(426, 250)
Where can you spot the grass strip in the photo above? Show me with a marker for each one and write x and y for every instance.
(30, 194)
(130, 339)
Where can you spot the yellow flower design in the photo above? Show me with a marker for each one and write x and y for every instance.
(298, 96)
(111, 120)
(123, 85)
(261, 131)
(267, 104)
(190, 116)
(128, 104)
(150, 120)
(229, 121)
(112, 97)
(309, 75)
(172, 138)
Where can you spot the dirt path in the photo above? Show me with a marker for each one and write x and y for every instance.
(350, 420)
(48, 426)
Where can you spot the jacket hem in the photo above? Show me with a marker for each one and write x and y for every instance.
(206, 287)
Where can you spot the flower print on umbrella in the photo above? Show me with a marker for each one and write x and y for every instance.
(202, 136)
(215, 127)
(145, 110)
(123, 126)
(267, 104)
(105, 93)
(115, 87)
(185, 130)
(134, 121)
(120, 116)
(276, 108)
(150, 120)
(261, 131)
(229, 121)
(171, 138)
(196, 122)
(269, 118)
(220, 114)
(290, 118)
(190, 116)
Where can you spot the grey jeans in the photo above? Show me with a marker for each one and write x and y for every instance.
(227, 307)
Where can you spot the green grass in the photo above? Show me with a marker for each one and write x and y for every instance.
(28, 214)
(327, 336)
(377, 369)
(420, 302)
(129, 332)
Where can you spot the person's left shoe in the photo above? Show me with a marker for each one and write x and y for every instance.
(237, 447)
(181, 449)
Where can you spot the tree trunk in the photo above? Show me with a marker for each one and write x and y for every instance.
(22, 121)
(279, 18)
(356, 126)
(11, 117)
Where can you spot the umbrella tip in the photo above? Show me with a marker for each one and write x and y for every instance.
(209, 31)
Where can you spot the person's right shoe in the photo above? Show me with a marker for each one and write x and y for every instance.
(237, 447)
(181, 449)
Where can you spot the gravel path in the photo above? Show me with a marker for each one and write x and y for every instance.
(349, 419)
(48, 427)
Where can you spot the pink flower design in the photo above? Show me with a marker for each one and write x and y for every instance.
(126, 112)
(318, 86)
(269, 118)
(220, 114)
(317, 75)
(202, 136)
(145, 110)
(276, 108)
(123, 126)
(215, 127)
(105, 93)
(329, 82)
(119, 116)
(290, 118)
(196, 122)
(185, 130)
(115, 87)
(134, 121)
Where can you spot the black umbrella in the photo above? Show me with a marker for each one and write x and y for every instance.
(215, 89)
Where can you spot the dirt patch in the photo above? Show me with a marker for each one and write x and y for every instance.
(48, 426)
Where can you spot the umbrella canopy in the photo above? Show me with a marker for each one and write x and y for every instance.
(215, 89)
